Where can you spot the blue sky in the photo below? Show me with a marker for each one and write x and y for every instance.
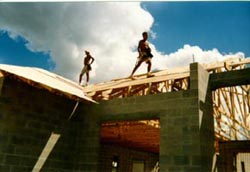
(221, 25)
(14, 51)
(224, 26)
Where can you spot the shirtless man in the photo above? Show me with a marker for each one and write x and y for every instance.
(88, 60)
(144, 55)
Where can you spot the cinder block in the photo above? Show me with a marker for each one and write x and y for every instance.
(175, 169)
(193, 66)
(193, 169)
(2, 157)
(12, 160)
(28, 161)
(166, 159)
(181, 160)
(196, 160)
(7, 148)
(4, 168)
(190, 93)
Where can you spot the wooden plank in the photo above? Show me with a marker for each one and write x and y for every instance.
(231, 62)
(178, 71)
(218, 110)
(234, 131)
(228, 116)
(101, 86)
(233, 110)
(227, 66)
(244, 106)
(240, 104)
(218, 136)
(119, 92)
(225, 96)
(245, 88)
(137, 82)
(137, 89)
(152, 80)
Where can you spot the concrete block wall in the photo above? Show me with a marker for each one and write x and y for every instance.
(200, 79)
(126, 157)
(87, 141)
(27, 118)
(186, 119)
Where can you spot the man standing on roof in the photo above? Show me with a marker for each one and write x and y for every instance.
(88, 60)
(144, 55)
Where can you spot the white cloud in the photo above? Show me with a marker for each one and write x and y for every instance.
(109, 30)
(189, 54)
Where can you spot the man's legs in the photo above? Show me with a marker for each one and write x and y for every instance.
(149, 68)
(149, 65)
(82, 73)
(136, 67)
(80, 78)
(87, 77)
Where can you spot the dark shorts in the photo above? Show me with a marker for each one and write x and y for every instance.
(85, 69)
(147, 56)
(89, 67)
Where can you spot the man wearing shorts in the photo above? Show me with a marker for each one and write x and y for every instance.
(144, 55)
(88, 60)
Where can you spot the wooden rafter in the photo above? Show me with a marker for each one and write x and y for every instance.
(166, 81)
(231, 110)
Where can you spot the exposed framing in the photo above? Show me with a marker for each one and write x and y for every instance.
(231, 105)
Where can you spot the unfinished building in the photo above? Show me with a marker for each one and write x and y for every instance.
(175, 121)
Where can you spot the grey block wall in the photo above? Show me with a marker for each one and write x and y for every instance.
(87, 141)
(187, 134)
(27, 118)
(186, 119)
